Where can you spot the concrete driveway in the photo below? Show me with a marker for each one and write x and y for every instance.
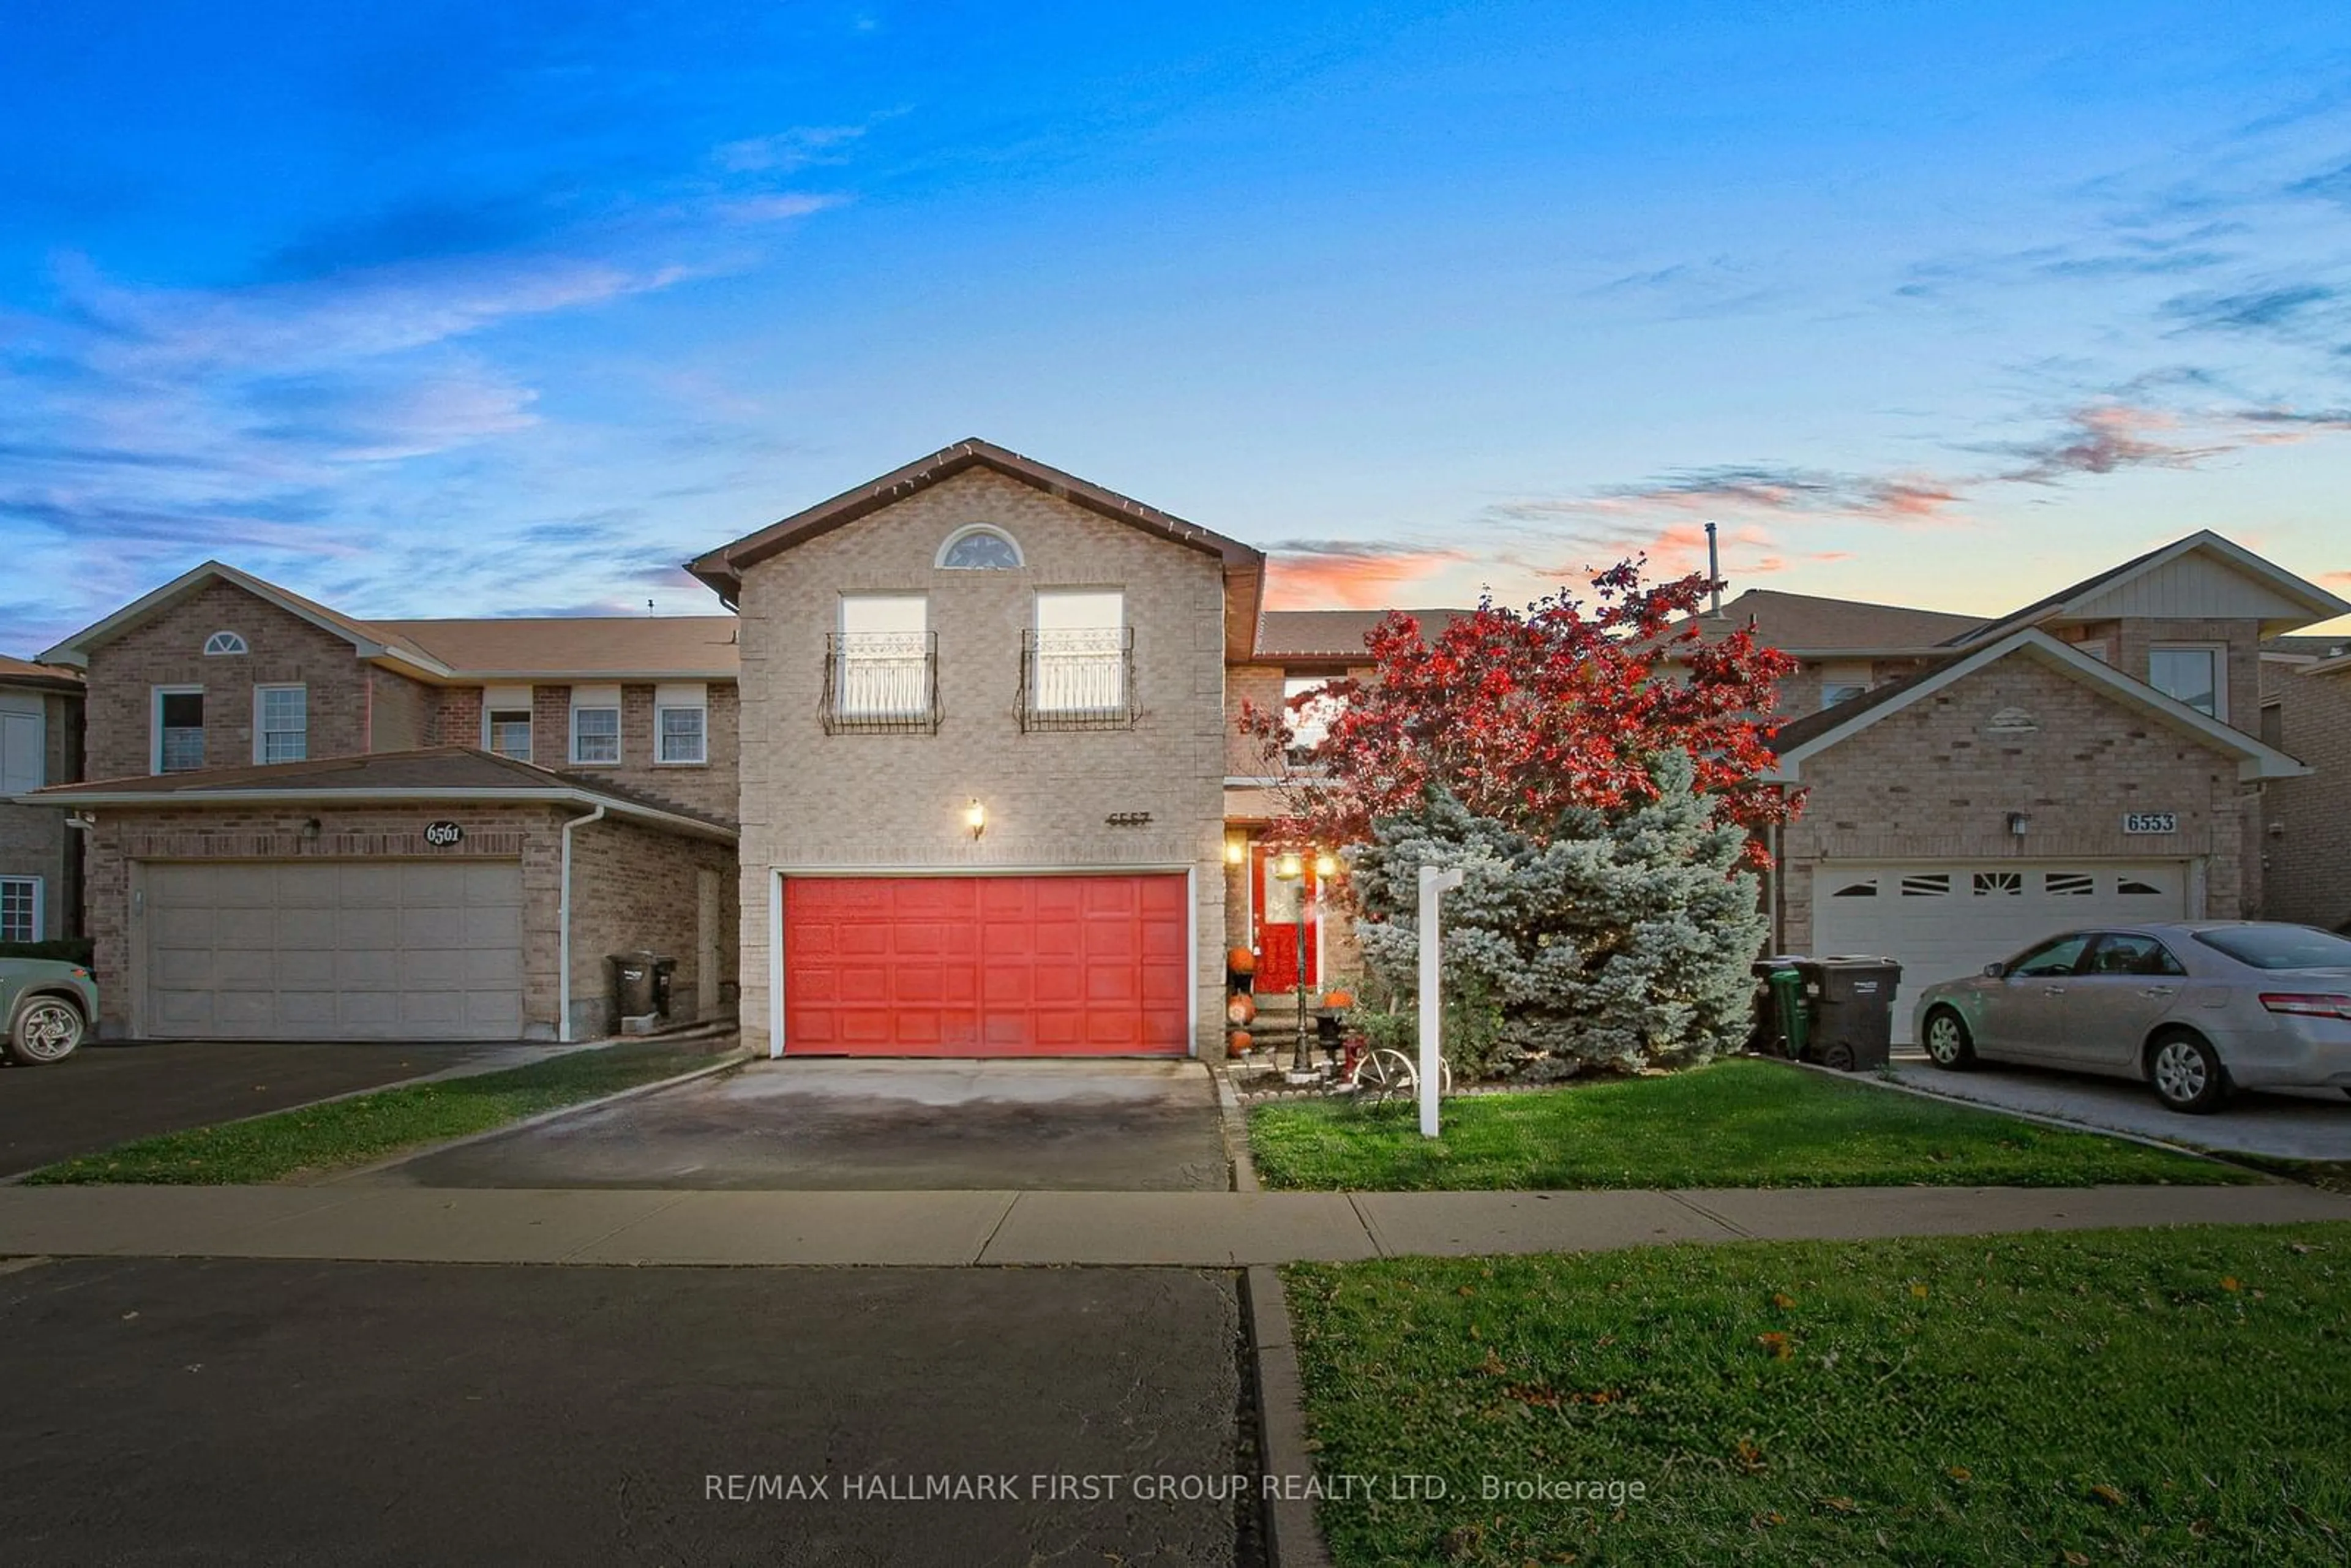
(1150, 1126)
(103, 1095)
(163, 1411)
(2303, 1124)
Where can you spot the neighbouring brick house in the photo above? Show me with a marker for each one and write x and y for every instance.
(960, 775)
(2306, 822)
(301, 824)
(40, 744)
(2094, 758)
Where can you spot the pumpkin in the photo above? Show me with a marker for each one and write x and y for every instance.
(1241, 961)
(1339, 999)
(1241, 1010)
(1239, 1043)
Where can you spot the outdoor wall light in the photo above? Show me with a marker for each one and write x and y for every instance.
(1325, 867)
(974, 817)
(2017, 822)
(1289, 865)
(1235, 850)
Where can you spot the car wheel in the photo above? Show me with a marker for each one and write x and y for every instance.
(45, 1029)
(1948, 1043)
(2187, 1073)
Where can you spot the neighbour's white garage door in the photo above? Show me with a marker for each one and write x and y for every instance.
(1943, 920)
(334, 950)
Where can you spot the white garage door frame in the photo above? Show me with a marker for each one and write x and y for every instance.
(327, 949)
(1946, 918)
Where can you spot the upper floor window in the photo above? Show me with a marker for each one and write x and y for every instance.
(24, 745)
(281, 723)
(682, 724)
(1076, 669)
(596, 725)
(179, 729)
(881, 667)
(980, 547)
(224, 643)
(506, 722)
(2192, 673)
(1309, 719)
(20, 909)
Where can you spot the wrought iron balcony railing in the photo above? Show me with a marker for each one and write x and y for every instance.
(1077, 679)
(881, 683)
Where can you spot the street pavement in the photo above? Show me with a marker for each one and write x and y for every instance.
(246, 1412)
(868, 1126)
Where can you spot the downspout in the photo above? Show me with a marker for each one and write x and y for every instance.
(563, 932)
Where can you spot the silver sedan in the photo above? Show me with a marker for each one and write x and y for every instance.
(2193, 1008)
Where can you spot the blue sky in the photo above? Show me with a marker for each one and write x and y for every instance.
(432, 309)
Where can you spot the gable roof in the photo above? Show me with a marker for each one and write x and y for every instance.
(2320, 604)
(1805, 624)
(684, 647)
(1332, 635)
(1815, 733)
(648, 647)
(50, 677)
(1244, 566)
(446, 773)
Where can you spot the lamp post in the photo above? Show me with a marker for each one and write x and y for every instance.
(1291, 866)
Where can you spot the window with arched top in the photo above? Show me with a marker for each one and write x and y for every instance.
(980, 547)
(224, 643)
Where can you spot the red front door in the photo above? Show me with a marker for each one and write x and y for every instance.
(1282, 938)
(987, 966)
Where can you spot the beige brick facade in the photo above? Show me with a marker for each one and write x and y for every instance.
(712, 787)
(2303, 827)
(637, 889)
(1931, 782)
(168, 650)
(811, 799)
(34, 841)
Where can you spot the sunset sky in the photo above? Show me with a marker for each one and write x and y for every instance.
(427, 309)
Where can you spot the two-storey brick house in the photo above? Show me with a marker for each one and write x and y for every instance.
(304, 824)
(40, 744)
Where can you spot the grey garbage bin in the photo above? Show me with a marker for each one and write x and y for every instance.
(1853, 1010)
(634, 986)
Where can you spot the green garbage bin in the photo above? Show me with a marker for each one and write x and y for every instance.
(1784, 1025)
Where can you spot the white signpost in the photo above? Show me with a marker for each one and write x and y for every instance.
(1433, 884)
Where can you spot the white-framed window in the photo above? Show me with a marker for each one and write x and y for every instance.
(680, 724)
(1080, 662)
(224, 643)
(20, 909)
(506, 722)
(281, 723)
(178, 730)
(24, 744)
(2192, 673)
(1842, 680)
(1310, 721)
(882, 665)
(596, 725)
(979, 547)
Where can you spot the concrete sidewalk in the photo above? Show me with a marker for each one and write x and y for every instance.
(1181, 1229)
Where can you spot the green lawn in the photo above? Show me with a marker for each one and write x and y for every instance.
(2158, 1396)
(345, 1133)
(1739, 1123)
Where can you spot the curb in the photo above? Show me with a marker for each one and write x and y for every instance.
(2062, 1123)
(1235, 1124)
(721, 1063)
(1292, 1538)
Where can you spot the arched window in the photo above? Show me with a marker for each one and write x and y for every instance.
(224, 643)
(980, 547)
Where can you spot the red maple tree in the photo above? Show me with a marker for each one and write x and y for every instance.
(1523, 715)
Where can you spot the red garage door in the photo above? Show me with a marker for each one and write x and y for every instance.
(987, 966)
